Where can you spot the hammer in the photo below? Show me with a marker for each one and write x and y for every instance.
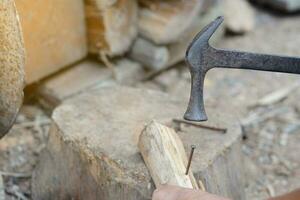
(201, 57)
(12, 56)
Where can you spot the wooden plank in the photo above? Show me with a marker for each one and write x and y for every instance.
(11, 65)
(165, 157)
(111, 25)
(54, 35)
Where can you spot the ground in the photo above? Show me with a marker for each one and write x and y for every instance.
(272, 131)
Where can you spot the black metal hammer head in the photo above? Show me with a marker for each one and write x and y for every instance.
(198, 57)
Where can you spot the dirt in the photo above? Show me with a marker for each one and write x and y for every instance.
(272, 132)
(19, 151)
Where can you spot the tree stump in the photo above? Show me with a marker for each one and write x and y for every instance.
(92, 151)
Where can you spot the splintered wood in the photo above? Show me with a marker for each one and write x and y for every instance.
(111, 25)
(165, 157)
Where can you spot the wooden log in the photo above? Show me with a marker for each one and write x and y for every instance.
(150, 55)
(111, 25)
(164, 22)
(84, 76)
(12, 61)
(156, 57)
(164, 155)
(92, 151)
(54, 35)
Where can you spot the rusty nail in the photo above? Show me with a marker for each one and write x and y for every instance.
(193, 147)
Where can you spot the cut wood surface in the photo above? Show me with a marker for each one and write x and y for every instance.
(164, 22)
(54, 35)
(165, 157)
(92, 151)
(111, 25)
(12, 57)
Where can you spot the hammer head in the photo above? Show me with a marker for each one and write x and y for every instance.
(198, 57)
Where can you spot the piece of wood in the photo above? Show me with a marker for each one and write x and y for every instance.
(164, 22)
(88, 75)
(92, 151)
(157, 57)
(278, 95)
(111, 25)
(12, 57)
(54, 35)
(164, 155)
(152, 56)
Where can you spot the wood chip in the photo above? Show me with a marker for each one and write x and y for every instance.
(260, 116)
(14, 174)
(277, 96)
(270, 190)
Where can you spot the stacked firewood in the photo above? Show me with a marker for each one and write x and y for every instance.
(154, 33)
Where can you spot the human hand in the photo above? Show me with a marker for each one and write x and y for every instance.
(167, 192)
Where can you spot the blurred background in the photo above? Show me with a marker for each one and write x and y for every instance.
(73, 46)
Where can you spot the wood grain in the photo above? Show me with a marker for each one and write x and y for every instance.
(54, 35)
(165, 157)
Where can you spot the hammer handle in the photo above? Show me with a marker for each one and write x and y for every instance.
(254, 61)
